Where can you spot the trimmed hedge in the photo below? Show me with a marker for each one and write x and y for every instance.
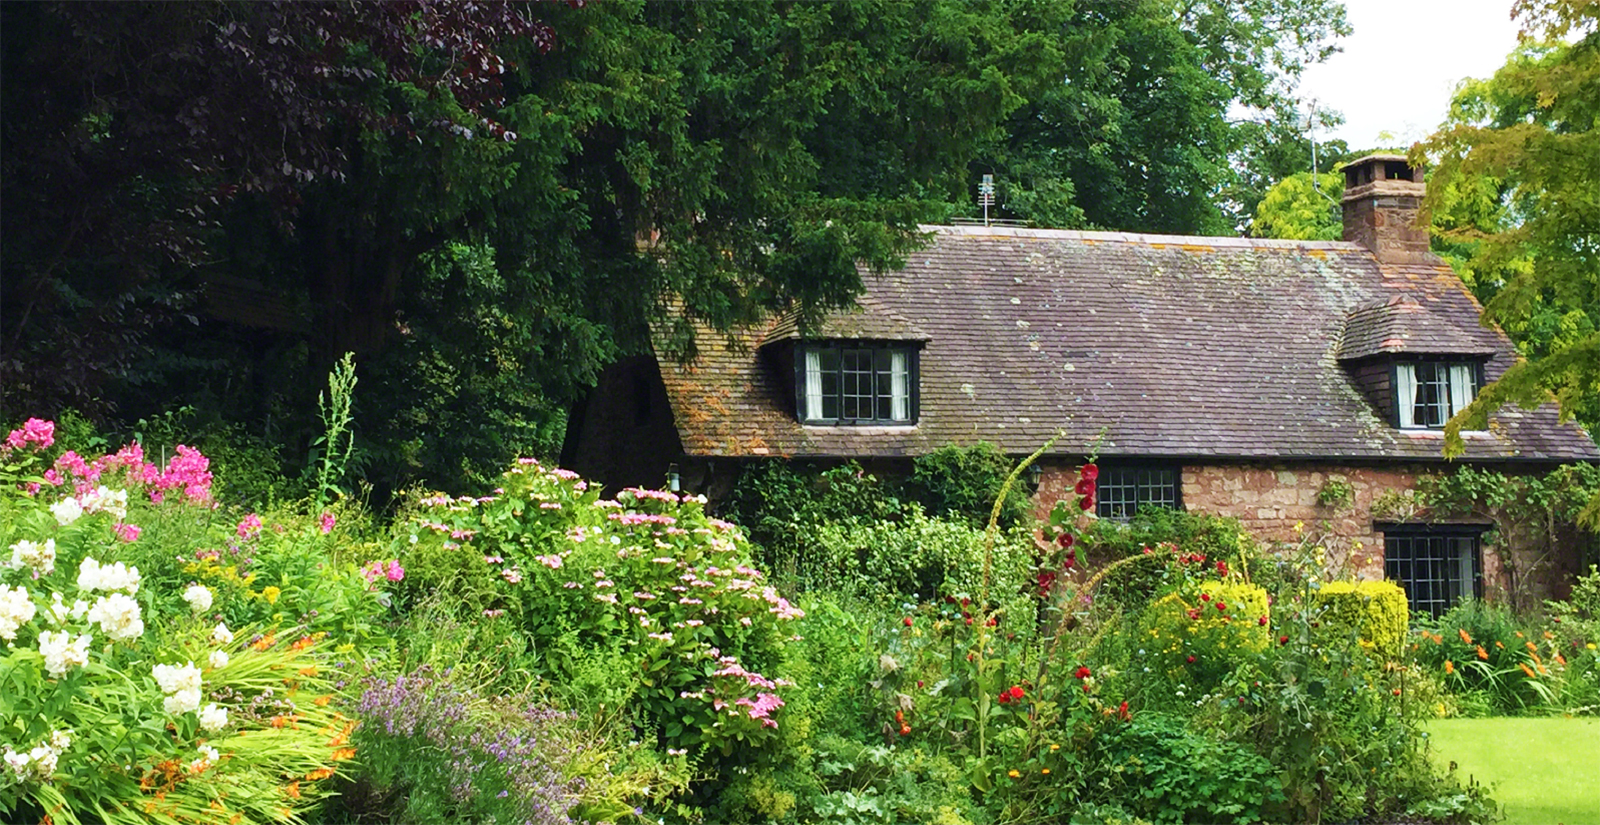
(1373, 612)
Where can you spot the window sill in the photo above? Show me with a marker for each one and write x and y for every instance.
(876, 427)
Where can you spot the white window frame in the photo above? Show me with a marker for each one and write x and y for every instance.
(1462, 381)
(896, 385)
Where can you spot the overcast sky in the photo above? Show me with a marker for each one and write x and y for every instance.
(1400, 65)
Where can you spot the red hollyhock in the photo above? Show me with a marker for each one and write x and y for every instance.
(1082, 672)
(1085, 487)
(1086, 503)
(1065, 540)
(1088, 472)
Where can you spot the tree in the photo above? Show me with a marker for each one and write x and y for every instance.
(1295, 209)
(1533, 129)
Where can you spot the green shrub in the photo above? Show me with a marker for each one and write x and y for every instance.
(1157, 768)
(780, 504)
(1372, 612)
(1483, 650)
(921, 559)
(963, 483)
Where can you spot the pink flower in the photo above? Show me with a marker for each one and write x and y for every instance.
(127, 532)
(34, 431)
(249, 526)
(394, 572)
(327, 523)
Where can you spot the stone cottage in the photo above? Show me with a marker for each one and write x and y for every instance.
(1281, 382)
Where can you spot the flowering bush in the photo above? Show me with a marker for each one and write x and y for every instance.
(1200, 634)
(649, 578)
(127, 702)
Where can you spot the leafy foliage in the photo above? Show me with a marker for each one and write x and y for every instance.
(964, 482)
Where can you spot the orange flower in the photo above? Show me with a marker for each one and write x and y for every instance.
(302, 643)
(1561, 659)
(293, 790)
(1465, 639)
(344, 753)
(1482, 654)
(319, 774)
(1500, 645)
(264, 642)
(322, 701)
(1013, 773)
(1520, 636)
(1531, 647)
(1528, 670)
(1449, 667)
(1549, 635)
(308, 671)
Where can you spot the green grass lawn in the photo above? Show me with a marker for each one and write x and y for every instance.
(1544, 771)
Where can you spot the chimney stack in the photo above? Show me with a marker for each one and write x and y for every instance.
(1382, 199)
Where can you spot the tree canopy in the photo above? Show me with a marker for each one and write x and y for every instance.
(1519, 162)
(489, 202)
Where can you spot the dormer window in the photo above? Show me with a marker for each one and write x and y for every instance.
(856, 382)
(1428, 393)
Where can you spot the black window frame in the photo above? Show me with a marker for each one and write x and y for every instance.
(1436, 361)
(912, 351)
(1111, 479)
(1401, 543)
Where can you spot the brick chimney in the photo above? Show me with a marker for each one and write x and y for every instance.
(1382, 198)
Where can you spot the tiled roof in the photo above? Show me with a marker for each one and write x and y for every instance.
(1403, 324)
(869, 320)
(1171, 346)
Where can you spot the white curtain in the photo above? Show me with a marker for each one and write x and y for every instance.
(900, 384)
(1405, 388)
(1465, 557)
(813, 385)
(1461, 381)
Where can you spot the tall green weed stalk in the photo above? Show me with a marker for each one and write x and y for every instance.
(338, 441)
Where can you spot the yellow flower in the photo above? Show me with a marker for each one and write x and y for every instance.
(1590, 645)
(271, 593)
(1045, 771)
(1013, 773)
(1055, 747)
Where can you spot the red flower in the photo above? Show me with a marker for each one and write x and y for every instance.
(969, 621)
(907, 621)
(1283, 640)
(1085, 487)
(1194, 614)
(1122, 712)
(1191, 659)
(993, 621)
(1005, 697)
(1082, 672)
(1205, 597)
(1222, 568)
(1065, 540)
(1147, 550)
(1086, 503)
(1222, 606)
(965, 601)
(905, 730)
(1016, 693)
(1088, 472)
(1262, 621)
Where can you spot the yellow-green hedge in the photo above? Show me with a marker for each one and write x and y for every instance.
(1374, 612)
(1217, 638)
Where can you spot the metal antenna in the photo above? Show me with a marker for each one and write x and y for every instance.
(1311, 132)
(986, 196)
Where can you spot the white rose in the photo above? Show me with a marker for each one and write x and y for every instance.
(198, 597)
(213, 719)
(219, 659)
(66, 511)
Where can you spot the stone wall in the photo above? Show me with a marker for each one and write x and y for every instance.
(1271, 499)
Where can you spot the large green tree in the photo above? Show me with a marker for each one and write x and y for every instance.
(1519, 162)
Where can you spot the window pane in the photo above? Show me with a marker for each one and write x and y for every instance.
(1436, 571)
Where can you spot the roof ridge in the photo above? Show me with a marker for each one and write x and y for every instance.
(1221, 241)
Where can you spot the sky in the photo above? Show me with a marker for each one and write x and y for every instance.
(1402, 62)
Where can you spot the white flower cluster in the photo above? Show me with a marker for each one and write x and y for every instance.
(208, 757)
(182, 686)
(219, 659)
(61, 653)
(58, 611)
(213, 719)
(16, 610)
(66, 511)
(117, 615)
(41, 558)
(39, 762)
(92, 576)
(198, 597)
(221, 634)
(105, 500)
